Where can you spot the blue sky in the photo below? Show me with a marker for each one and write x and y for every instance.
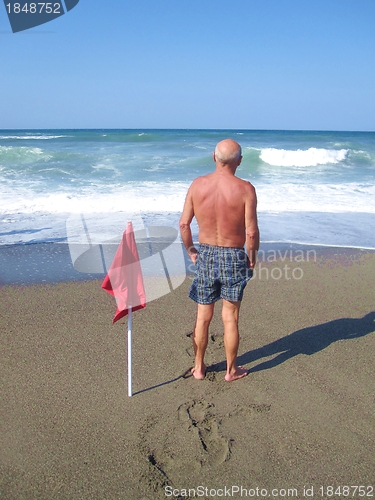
(245, 64)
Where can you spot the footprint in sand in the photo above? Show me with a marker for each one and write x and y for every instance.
(182, 445)
(202, 425)
(153, 476)
(249, 409)
(215, 343)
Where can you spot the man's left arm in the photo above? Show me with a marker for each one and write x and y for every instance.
(251, 225)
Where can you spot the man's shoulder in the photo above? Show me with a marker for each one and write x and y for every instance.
(203, 179)
(246, 185)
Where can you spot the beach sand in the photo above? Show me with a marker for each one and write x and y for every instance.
(302, 418)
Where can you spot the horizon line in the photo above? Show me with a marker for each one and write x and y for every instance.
(192, 128)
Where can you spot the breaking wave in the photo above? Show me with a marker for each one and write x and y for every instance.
(302, 158)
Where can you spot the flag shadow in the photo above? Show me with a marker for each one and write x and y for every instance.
(158, 385)
(306, 341)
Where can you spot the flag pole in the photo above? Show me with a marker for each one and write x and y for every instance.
(130, 327)
(130, 352)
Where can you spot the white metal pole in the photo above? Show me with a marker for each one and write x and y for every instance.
(130, 352)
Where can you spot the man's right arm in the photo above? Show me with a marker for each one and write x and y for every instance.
(251, 225)
(185, 221)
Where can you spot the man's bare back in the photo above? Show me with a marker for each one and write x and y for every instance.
(220, 202)
(225, 209)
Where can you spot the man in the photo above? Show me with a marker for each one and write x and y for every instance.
(225, 209)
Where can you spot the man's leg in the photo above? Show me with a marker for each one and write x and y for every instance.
(200, 338)
(230, 314)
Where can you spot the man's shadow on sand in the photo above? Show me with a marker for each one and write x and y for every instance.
(307, 341)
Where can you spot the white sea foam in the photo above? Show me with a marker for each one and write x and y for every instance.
(32, 137)
(335, 198)
(302, 158)
(169, 197)
(135, 197)
(21, 148)
(22, 154)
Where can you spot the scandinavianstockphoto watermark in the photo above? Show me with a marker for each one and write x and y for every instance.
(286, 264)
(24, 15)
(271, 265)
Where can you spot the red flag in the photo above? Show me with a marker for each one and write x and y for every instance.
(124, 279)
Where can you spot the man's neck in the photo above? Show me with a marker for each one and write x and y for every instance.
(225, 169)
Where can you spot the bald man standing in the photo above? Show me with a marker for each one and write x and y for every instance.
(225, 208)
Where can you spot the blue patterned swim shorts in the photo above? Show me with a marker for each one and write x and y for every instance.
(222, 273)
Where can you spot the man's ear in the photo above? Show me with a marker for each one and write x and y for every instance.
(214, 156)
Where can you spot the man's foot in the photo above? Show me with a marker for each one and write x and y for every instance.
(239, 373)
(199, 374)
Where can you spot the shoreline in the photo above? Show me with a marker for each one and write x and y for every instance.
(48, 263)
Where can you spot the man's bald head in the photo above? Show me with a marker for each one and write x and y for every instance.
(228, 152)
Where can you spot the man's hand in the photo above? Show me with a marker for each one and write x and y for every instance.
(193, 254)
(252, 259)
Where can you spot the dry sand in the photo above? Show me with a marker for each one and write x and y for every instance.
(304, 417)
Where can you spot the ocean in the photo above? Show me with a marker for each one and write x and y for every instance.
(313, 188)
